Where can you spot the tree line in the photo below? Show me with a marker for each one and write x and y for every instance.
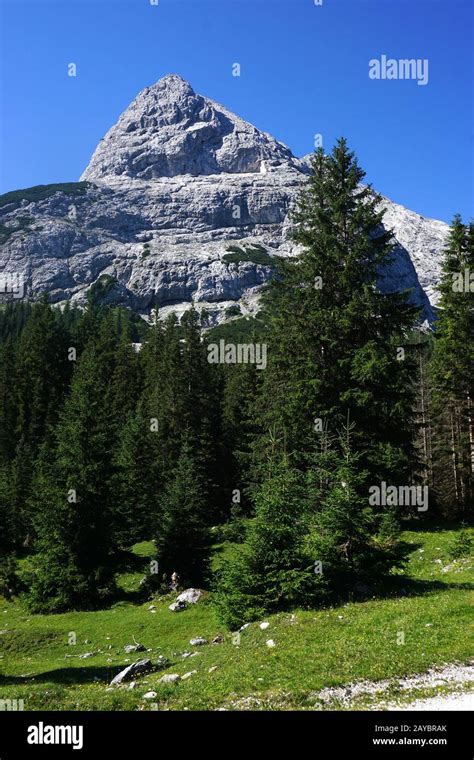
(113, 431)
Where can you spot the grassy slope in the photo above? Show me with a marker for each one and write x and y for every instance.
(314, 649)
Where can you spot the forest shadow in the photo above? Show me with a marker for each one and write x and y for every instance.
(434, 526)
(391, 586)
(69, 676)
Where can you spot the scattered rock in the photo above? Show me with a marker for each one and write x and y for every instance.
(188, 675)
(198, 641)
(190, 596)
(132, 685)
(129, 648)
(218, 639)
(264, 626)
(177, 606)
(186, 654)
(149, 695)
(170, 678)
(162, 663)
(243, 627)
(86, 655)
(270, 643)
(211, 670)
(141, 666)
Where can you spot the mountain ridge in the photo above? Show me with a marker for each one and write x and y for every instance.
(173, 183)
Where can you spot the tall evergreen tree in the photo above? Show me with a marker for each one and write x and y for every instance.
(338, 351)
(182, 539)
(73, 567)
(452, 375)
(336, 339)
(42, 375)
(139, 480)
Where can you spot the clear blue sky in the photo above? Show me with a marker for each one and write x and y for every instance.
(304, 70)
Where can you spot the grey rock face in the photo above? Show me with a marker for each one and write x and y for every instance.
(169, 130)
(172, 185)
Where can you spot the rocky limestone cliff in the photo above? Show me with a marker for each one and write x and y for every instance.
(169, 130)
(175, 183)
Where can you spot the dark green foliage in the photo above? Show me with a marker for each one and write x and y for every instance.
(139, 478)
(101, 288)
(21, 223)
(41, 192)
(452, 376)
(333, 341)
(183, 539)
(72, 499)
(10, 585)
(255, 254)
(233, 311)
(272, 570)
(8, 401)
(461, 546)
(351, 538)
(243, 330)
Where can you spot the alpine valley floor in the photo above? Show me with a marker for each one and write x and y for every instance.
(315, 652)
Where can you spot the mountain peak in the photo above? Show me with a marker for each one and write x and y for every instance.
(173, 84)
(170, 130)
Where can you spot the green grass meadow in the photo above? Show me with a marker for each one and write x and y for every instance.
(430, 602)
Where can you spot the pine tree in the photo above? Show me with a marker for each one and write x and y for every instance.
(452, 375)
(42, 375)
(351, 539)
(138, 482)
(8, 410)
(183, 538)
(335, 338)
(272, 571)
(335, 342)
(73, 568)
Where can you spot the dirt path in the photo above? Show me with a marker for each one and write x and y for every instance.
(445, 702)
(401, 693)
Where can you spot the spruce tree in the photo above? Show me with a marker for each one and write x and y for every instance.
(338, 350)
(272, 570)
(336, 338)
(182, 539)
(138, 484)
(452, 375)
(73, 567)
(347, 535)
(42, 375)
